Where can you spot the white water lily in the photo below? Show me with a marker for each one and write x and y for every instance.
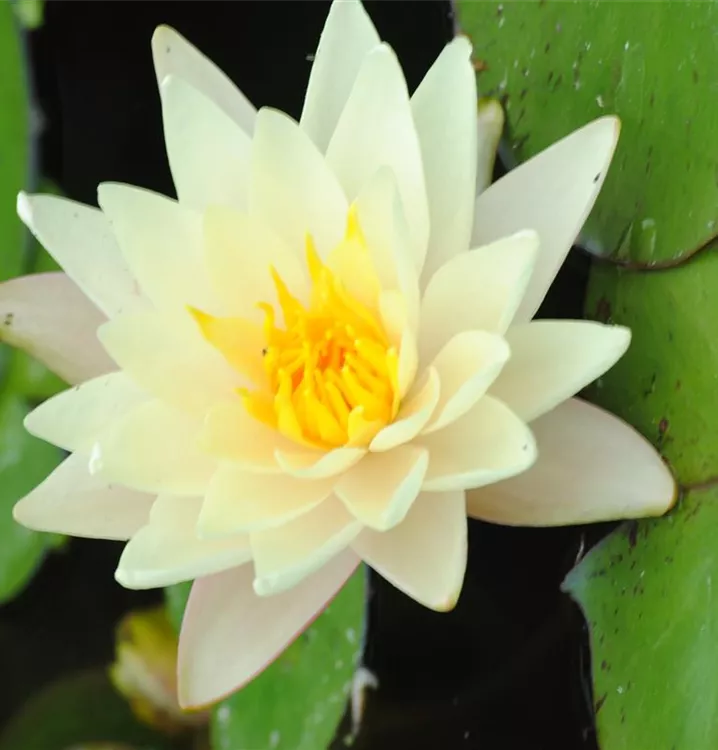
(321, 349)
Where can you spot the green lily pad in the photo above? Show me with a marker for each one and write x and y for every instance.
(24, 462)
(558, 64)
(298, 701)
(647, 592)
(78, 709)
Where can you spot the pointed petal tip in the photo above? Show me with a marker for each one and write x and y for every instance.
(24, 208)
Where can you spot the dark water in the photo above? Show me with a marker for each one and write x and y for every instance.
(508, 668)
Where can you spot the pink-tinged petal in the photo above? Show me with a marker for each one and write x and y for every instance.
(80, 239)
(293, 190)
(167, 550)
(347, 36)
(285, 555)
(478, 290)
(591, 467)
(306, 464)
(425, 555)
(154, 448)
(241, 501)
(230, 433)
(229, 634)
(168, 356)
(376, 129)
(551, 360)
(162, 243)
(413, 415)
(467, 365)
(552, 193)
(208, 152)
(487, 444)
(174, 55)
(72, 501)
(51, 319)
(444, 109)
(490, 124)
(381, 489)
(73, 419)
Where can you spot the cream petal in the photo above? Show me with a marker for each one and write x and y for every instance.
(380, 491)
(162, 244)
(425, 555)
(444, 109)
(306, 464)
(174, 55)
(80, 239)
(347, 36)
(381, 216)
(480, 289)
(231, 434)
(292, 189)
(47, 316)
(466, 366)
(229, 634)
(376, 129)
(73, 419)
(487, 444)
(241, 501)
(285, 555)
(551, 360)
(208, 152)
(167, 355)
(167, 550)
(154, 448)
(72, 501)
(234, 242)
(408, 362)
(490, 124)
(552, 193)
(591, 467)
(413, 415)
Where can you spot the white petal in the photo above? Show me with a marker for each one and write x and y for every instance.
(552, 193)
(466, 366)
(231, 434)
(307, 464)
(154, 448)
(240, 252)
(80, 239)
(479, 290)
(224, 611)
(162, 244)
(174, 55)
(487, 444)
(208, 152)
(292, 189)
(73, 419)
(425, 555)
(381, 489)
(551, 360)
(72, 501)
(286, 555)
(347, 36)
(490, 126)
(47, 316)
(591, 467)
(376, 129)
(242, 501)
(167, 356)
(168, 551)
(444, 110)
(413, 415)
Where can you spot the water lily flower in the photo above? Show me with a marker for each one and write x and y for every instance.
(323, 351)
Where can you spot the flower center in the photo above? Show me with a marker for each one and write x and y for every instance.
(330, 370)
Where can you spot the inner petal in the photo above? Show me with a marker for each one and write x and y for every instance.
(326, 374)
